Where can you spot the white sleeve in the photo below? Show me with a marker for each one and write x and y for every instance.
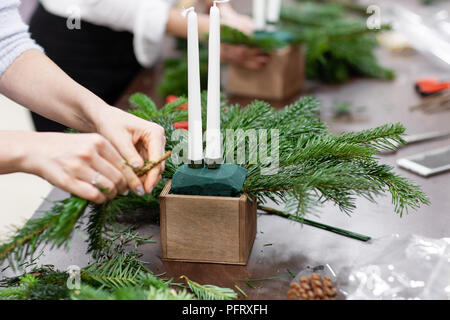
(14, 36)
(146, 19)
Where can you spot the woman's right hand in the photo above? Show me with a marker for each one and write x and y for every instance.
(75, 162)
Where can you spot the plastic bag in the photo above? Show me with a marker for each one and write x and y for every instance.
(322, 270)
(411, 267)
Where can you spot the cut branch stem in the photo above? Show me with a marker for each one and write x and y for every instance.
(343, 232)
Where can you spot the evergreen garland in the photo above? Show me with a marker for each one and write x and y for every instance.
(315, 167)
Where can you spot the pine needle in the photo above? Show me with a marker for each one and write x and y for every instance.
(209, 292)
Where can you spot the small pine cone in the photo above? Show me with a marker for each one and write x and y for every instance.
(305, 286)
(304, 279)
(295, 285)
(293, 294)
(315, 287)
(315, 276)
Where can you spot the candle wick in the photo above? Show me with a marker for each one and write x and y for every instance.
(186, 11)
(220, 1)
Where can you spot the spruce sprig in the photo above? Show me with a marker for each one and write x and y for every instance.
(337, 46)
(209, 292)
(54, 228)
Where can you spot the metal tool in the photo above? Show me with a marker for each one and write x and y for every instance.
(418, 138)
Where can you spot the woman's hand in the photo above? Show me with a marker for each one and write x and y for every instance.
(86, 165)
(137, 140)
(243, 56)
(71, 161)
(230, 17)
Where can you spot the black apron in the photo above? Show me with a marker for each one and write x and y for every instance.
(98, 58)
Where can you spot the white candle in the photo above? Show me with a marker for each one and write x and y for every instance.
(195, 142)
(213, 139)
(273, 11)
(259, 14)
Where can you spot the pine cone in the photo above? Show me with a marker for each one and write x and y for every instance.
(314, 288)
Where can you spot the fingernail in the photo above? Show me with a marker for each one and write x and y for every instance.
(126, 192)
(136, 165)
(140, 191)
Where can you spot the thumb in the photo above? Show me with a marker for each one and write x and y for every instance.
(128, 151)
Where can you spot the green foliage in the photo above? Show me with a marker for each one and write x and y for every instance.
(21, 291)
(130, 293)
(427, 2)
(210, 292)
(234, 36)
(315, 166)
(54, 228)
(337, 46)
(42, 283)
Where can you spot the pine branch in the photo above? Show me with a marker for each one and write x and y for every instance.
(130, 293)
(302, 220)
(337, 46)
(234, 36)
(209, 292)
(55, 228)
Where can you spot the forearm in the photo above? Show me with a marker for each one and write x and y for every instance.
(12, 150)
(36, 82)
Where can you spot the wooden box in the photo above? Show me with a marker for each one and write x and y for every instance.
(206, 229)
(281, 78)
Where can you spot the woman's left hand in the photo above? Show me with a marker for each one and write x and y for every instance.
(235, 20)
(137, 140)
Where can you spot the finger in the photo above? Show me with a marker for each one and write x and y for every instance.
(155, 146)
(98, 180)
(112, 155)
(262, 59)
(77, 187)
(107, 169)
(253, 65)
(126, 148)
(88, 191)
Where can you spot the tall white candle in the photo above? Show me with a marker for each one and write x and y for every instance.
(213, 139)
(259, 14)
(273, 11)
(195, 142)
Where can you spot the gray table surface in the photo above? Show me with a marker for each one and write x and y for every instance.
(296, 246)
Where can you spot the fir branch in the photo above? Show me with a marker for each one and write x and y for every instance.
(234, 36)
(55, 228)
(337, 46)
(130, 293)
(302, 220)
(209, 292)
(385, 137)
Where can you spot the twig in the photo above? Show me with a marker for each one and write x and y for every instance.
(343, 232)
(241, 291)
(150, 165)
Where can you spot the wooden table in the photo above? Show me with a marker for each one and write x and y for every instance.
(294, 246)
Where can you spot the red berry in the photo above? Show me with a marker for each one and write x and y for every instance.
(171, 98)
(181, 125)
